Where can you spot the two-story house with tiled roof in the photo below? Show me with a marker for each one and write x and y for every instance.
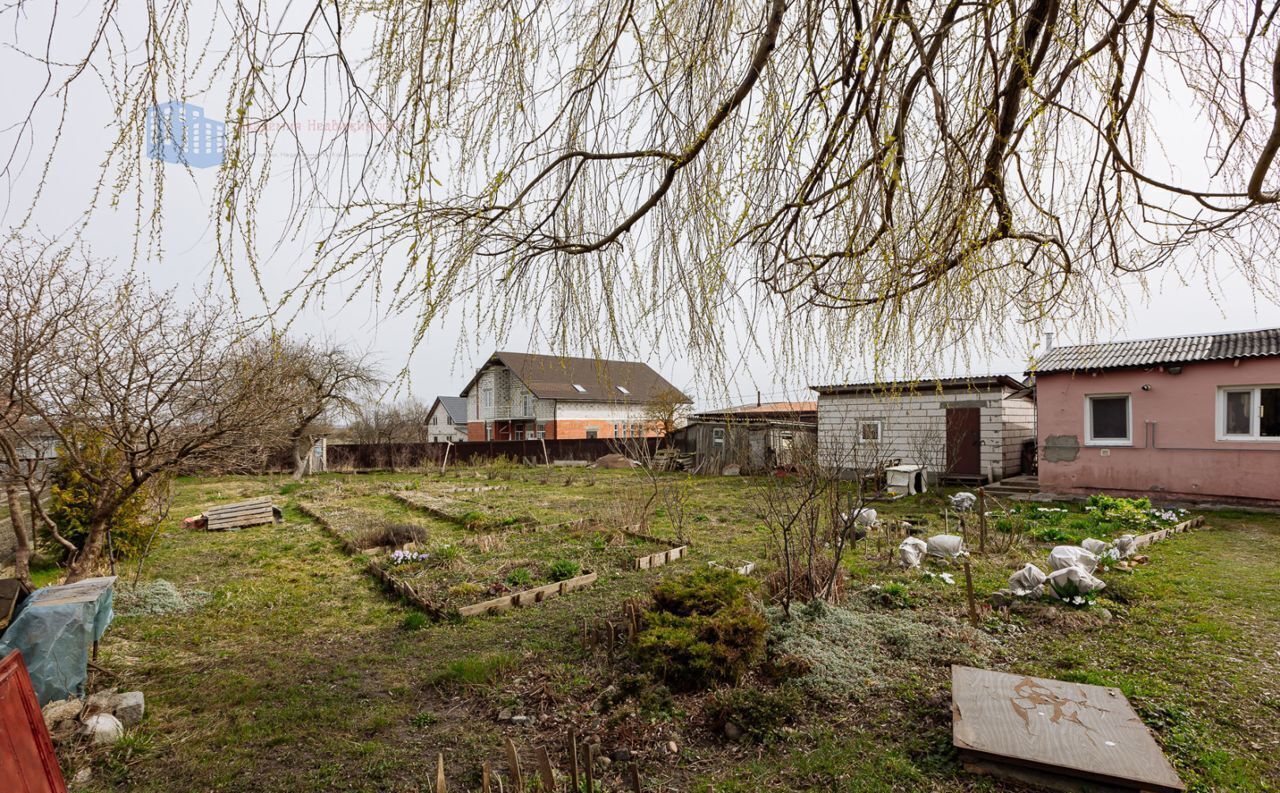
(521, 396)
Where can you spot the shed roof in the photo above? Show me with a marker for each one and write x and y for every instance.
(584, 379)
(764, 408)
(1167, 350)
(949, 384)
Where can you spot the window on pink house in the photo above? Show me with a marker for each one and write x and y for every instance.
(1107, 419)
(1249, 413)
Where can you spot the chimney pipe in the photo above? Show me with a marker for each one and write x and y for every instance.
(1048, 340)
(757, 397)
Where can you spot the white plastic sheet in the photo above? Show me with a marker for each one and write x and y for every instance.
(963, 501)
(947, 546)
(1027, 582)
(1072, 584)
(1064, 556)
(911, 552)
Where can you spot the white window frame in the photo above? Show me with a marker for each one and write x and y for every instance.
(486, 397)
(1089, 440)
(527, 403)
(1255, 418)
(879, 425)
(717, 436)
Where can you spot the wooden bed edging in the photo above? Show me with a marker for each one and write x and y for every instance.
(1156, 536)
(650, 561)
(528, 596)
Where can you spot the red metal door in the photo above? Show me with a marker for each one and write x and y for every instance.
(27, 761)
(964, 441)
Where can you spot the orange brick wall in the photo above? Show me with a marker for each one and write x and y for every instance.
(564, 429)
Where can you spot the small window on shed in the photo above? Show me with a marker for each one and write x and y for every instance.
(869, 432)
(717, 436)
(579, 389)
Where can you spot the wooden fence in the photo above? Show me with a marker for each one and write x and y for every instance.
(391, 456)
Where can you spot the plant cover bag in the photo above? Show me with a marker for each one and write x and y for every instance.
(1072, 582)
(948, 546)
(911, 552)
(1064, 556)
(1027, 582)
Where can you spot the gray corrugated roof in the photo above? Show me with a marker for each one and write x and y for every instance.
(974, 383)
(1153, 352)
(456, 407)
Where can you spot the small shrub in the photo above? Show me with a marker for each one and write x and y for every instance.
(446, 555)
(520, 577)
(702, 630)
(73, 497)
(563, 569)
(760, 714)
(472, 519)
(894, 595)
(704, 591)
(414, 621)
(475, 670)
(424, 719)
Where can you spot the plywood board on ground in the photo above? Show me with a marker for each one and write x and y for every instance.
(1070, 729)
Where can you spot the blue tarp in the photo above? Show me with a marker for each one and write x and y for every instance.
(55, 629)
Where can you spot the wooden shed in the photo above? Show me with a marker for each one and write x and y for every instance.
(756, 438)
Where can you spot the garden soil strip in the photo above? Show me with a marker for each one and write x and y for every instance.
(401, 588)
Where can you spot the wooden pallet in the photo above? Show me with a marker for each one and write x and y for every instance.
(253, 512)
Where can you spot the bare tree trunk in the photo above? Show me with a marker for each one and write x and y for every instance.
(299, 460)
(82, 565)
(21, 536)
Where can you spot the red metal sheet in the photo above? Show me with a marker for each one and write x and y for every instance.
(28, 763)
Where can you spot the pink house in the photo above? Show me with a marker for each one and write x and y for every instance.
(1191, 417)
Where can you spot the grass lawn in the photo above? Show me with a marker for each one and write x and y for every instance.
(301, 673)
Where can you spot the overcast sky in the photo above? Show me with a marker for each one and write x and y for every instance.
(1176, 301)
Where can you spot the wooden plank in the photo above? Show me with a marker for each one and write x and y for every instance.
(652, 560)
(1070, 729)
(528, 596)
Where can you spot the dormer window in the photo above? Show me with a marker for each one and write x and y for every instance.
(579, 389)
(622, 389)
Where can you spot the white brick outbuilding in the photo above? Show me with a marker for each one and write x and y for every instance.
(971, 428)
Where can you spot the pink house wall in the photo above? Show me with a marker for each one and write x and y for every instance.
(1174, 450)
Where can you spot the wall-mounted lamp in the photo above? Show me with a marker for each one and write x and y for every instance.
(1146, 386)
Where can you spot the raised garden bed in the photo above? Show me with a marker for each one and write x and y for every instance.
(445, 569)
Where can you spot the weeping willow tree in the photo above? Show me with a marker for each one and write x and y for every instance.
(887, 175)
